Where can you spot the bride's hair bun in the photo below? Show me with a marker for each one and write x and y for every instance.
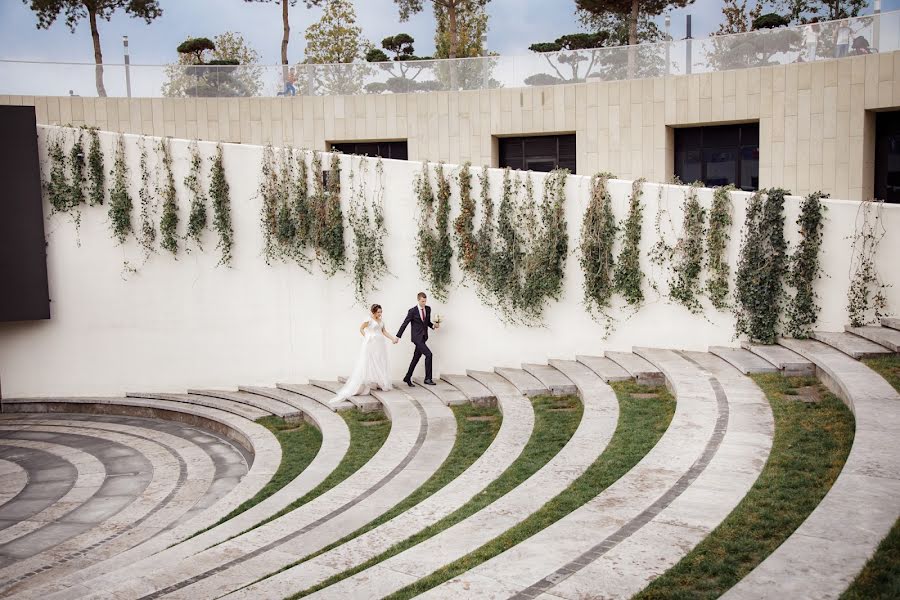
(375, 308)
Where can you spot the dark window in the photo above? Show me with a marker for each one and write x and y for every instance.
(395, 150)
(538, 153)
(718, 155)
(887, 156)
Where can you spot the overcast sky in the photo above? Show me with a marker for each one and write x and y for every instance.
(514, 25)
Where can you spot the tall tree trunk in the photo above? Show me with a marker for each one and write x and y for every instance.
(98, 55)
(287, 31)
(633, 37)
(454, 41)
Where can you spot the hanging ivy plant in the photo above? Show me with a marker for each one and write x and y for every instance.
(197, 217)
(168, 225)
(803, 310)
(598, 234)
(76, 169)
(759, 292)
(269, 189)
(464, 225)
(716, 244)
(684, 286)
(96, 176)
(484, 238)
(302, 210)
(147, 236)
(866, 300)
(58, 193)
(434, 252)
(506, 261)
(221, 203)
(332, 252)
(367, 223)
(628, 275)
(120, 203)
(285, 224)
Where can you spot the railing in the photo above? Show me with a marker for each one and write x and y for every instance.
(873, 33)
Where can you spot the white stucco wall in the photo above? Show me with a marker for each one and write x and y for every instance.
(188, 323)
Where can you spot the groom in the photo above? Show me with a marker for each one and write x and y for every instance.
(419, 317)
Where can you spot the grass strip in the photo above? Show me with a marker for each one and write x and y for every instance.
(642, 421)
(813, 435)
(880, 578)
(555, 421)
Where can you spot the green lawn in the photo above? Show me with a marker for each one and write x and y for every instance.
(642, 421)
(811, 443)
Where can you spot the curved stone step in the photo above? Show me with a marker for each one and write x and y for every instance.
(552, 379)
(238, 408)
(524, 381)
(421, 436)
(892, 322)
(515, 430)
(445, 392)
(883, 336)
(270, 405)
(605, 368)
(824, 555)
(320, 395)
(789, 363)
(654, 514)
(472, 389)
(851, 345)
(640, 369)
(598, 422)
(743, 360)
(365, 403)
(13, 479)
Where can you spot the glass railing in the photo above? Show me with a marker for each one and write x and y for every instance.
(786, 45)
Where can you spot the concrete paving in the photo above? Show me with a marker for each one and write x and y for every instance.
(640, 369)
(605, 368)
(552, 379)
(789, 363)
(525, 382)
(851, 345)
(472, 389)
(883, 336)
(743, 360)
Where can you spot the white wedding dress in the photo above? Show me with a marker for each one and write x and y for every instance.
(372, 368)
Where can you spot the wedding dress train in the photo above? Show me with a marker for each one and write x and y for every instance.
(372, 368)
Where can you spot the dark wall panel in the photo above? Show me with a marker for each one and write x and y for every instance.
(23, 258)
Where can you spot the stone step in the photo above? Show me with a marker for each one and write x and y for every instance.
(320, 395)
(743, 360)
(445, 392)
(524, 381)
(851, 345)
(789, 363)
(834, 542)
(883, 336)
(642, 371)
(365, 403)
(892, 322)
(270, 405)
(238, 408)
(605, 368)
(552, 379)
(471, 388)
(496, 383)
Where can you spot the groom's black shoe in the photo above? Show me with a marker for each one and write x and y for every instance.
(429, 382)
(408, 382)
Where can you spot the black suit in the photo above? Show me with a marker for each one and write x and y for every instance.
(419, 334)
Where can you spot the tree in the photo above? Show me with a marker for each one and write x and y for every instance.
(737, 18)
(336, 38)
(229, 48)
(49, 10)
(806, 11)
(403, 68)
(286, 25)
(452, 18)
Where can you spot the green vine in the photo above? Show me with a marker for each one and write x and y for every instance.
(759, 293)
(716, 242)
(331, 251)
(221, 203)
(484, 238)
(120, 203)
(269, 189)
(147, 236)
(197, 217)
(628, 275)
(803, 310)
(434, 250)
(58, 192)
(598, 234)
(367, 222)
(684, 285)
(96, 178)
(866, 300)
(506, 262)
(464, 225)
(302, 210)
(168, 224)
(76, 170)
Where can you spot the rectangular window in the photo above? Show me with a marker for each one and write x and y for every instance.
(396, 150)
(887, 156)
(538, 153)
(718, 155)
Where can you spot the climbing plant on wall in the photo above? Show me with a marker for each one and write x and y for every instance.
(147, 235)
(434, 251)
(684, 285)
(484, 238)
(598, 234)
(759, 292)
(866, 300)
(221, 203)
(803, 309)
(367, 259)
(120, 203)
(628, 275)
(330, 225)
(197, 216)
(57, 186)
(168, 224)
(76, 162)
(464, 225)
(96, 175)
(269, 190)
(716, 243)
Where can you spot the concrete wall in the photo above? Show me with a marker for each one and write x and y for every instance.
(816, 131)
(185, 323)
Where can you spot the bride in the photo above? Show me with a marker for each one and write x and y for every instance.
(372, 367)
